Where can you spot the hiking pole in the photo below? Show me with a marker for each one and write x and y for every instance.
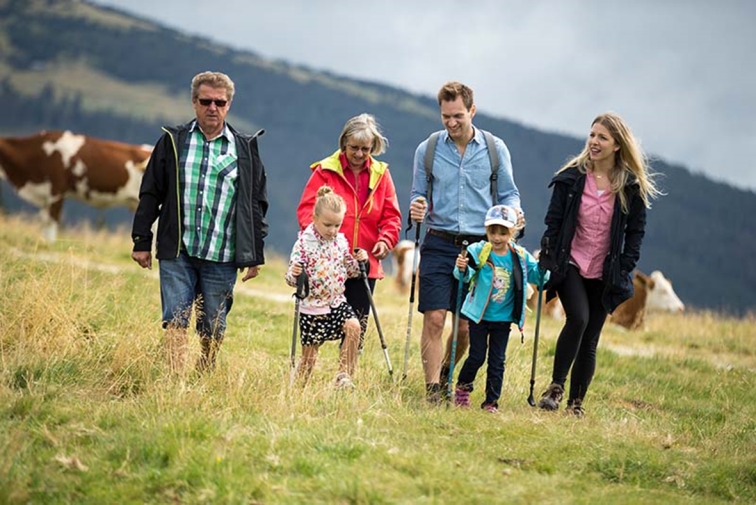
(363, 274)
(415, 261)
(531, 400)
(303, 290)
(457, 309)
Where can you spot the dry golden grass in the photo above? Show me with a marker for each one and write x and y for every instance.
(89, 414)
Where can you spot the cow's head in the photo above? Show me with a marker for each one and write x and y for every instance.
(661, 295)
(402, 259)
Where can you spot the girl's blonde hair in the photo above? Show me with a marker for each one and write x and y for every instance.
(628, 160)
(364, 128)
(327, 199)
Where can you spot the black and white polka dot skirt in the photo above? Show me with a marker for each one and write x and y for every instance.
(318, 328)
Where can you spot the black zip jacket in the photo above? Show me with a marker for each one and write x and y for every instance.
(627, 232)
(159, 198)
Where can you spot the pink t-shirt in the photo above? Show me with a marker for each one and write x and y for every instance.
(591, 241)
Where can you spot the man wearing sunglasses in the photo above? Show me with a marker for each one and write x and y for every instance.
(206, 184)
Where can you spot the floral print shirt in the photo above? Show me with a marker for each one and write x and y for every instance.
(328, 264)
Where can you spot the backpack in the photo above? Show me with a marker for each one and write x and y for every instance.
(493, 157)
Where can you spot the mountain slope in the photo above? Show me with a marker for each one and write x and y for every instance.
(68, 64)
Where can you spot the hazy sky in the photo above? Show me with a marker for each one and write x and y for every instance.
(681, 73)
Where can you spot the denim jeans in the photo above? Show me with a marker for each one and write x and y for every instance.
(491, 337)
(186, 281)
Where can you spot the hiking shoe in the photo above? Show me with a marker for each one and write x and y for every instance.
(551, 397)
(461, 397)
(444, 374)
(433, 393)
(343, 381)
(575, 407)
(490, 407)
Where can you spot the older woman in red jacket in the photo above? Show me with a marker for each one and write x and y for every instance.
(373, 219)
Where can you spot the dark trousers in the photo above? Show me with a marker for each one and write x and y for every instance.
(579, 338)
(491, 337)
(356, 295)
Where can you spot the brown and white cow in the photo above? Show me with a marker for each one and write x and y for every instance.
(551, 308)
(49, 167)
(653, 293)
(402, 258)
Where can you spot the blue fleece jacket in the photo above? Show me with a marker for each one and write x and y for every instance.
(480, 273)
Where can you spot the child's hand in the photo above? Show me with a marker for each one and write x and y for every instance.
(462, 262)
(360, 255)
(296, 269)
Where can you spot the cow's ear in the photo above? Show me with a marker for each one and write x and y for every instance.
(643, 278)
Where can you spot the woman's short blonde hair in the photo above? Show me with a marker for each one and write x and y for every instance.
(364, 128)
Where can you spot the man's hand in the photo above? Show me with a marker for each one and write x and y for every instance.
(144, 258)
(252, 272)
(418, 208)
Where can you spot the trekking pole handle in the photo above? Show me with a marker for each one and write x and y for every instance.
(303, 284)
(362, 264)
(410, 221)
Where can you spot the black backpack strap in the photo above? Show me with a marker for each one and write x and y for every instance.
(519, 283)
(493, 157)
(430, 151)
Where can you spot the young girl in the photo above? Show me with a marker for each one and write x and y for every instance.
(594, 229)
(323, 253)
(498, 276)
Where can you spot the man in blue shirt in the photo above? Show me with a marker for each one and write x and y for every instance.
(461, 179)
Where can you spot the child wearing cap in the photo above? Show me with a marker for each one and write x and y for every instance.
(498, 271)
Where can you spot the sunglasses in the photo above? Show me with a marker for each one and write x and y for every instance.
(205, 102)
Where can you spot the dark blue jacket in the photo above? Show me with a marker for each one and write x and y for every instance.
(159, 198)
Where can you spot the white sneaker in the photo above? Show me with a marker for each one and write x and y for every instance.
(343, 381)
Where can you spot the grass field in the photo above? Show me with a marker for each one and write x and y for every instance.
(88, 413)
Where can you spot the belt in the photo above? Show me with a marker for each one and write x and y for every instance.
(455, 239)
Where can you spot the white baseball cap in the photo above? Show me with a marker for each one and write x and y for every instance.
(501, 214)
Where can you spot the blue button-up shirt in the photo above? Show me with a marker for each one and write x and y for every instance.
(462, 184)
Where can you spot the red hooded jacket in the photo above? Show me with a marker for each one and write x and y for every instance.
(380, 217)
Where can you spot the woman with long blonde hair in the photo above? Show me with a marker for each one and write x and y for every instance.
(594, 230)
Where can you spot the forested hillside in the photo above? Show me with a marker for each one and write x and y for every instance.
(71, 65)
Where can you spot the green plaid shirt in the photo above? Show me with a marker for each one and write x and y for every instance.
(208, 184)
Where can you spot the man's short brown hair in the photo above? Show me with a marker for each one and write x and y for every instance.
(453, 89)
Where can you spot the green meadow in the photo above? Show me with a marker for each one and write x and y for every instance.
(89, 413)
